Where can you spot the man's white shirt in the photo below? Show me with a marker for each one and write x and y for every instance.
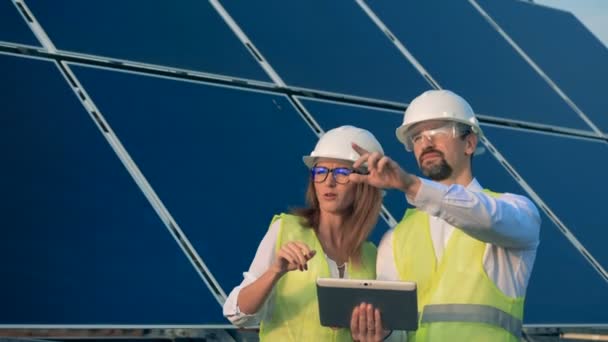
(509, 224)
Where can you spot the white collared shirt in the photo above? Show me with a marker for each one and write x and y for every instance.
(509, 224)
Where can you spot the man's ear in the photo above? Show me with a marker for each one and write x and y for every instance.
(471, 141)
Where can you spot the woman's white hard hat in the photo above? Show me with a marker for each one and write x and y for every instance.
(336, 144)
(437, 105)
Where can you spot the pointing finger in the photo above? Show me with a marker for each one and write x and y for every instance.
(359, 149)
(361, 161)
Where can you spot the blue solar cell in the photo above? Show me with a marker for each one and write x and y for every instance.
(563, 47)
(328, 45)
(222, 160)
(563, 289)
(191, 35)
(81, 244)
(465, 54)
(12, 26)
(559, 268)
(564, 172)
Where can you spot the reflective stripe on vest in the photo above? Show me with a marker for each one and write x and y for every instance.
(456, 298)
(472, 313)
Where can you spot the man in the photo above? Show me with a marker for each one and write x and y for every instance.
(469, 250)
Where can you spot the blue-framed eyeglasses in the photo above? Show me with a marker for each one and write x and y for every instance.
(340, 174)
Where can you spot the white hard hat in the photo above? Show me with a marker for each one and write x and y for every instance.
(336, 144)
(437, 105)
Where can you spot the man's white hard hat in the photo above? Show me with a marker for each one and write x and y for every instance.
(336, 144)
(437, 105)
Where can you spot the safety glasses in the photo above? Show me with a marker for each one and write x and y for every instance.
(434, 135)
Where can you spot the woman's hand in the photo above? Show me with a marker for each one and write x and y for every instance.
(292, 256)
(366, 324)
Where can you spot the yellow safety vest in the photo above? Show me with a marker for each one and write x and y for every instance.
(295, 314)
(457, 301)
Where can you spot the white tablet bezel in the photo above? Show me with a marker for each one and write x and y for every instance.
(367, 284)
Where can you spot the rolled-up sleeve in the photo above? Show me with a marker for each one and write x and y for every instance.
(231, 307)
(261, 262)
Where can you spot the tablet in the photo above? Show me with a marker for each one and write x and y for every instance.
(395, 299)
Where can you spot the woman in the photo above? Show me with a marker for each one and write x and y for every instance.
(325, 239)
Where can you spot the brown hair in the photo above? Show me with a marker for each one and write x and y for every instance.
(360, 219)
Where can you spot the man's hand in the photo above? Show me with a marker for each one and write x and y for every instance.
(366, 324)
(383, 172)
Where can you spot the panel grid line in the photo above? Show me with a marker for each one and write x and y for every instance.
(247, 42)
(536, 68)
(143, 184)
(300, 108)
(34, 25)
(168, 220)
(246, 84)
(545, 208)
(398, 44)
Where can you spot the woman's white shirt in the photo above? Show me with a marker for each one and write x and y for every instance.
(264, 257)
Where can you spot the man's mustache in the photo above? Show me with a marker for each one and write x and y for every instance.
(430, 150)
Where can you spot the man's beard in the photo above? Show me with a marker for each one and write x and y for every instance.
(438, 171)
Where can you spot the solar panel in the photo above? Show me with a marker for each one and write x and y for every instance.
(462, 52)
(327, 45)
(565, 173)
(222, 160)
(84, 244)
(189, 36)
(554, 39)
(564, 288)
(81, 243)
(12, 26)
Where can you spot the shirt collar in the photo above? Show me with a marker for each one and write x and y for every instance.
(474, 185)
